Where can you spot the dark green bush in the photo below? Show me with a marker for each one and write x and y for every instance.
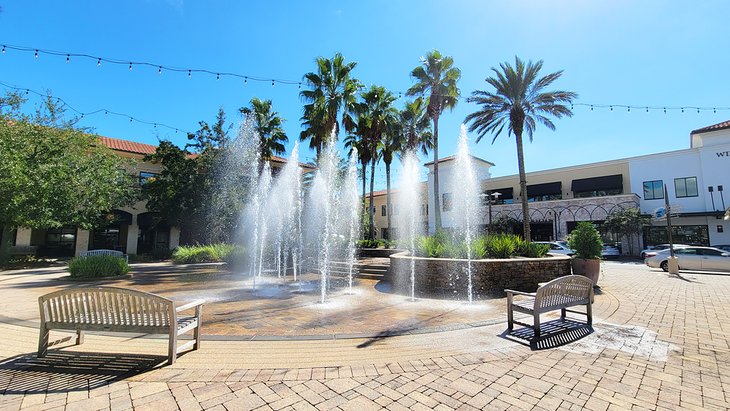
(212, 253)
(98, 266)
(441, 245)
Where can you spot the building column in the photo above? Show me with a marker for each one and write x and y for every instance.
(174, 237)
(82, 241)
(22, 238)
(132, 236)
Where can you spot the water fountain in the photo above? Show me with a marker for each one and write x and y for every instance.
(408, 203)
(466, 194)
(279, 217)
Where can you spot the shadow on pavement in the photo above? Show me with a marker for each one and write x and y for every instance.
(554, 334)
(65, 371)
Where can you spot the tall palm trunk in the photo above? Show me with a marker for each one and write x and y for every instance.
(436, 206)
(5, 243)
(372, 205)
(364, 179)
(388, 206)
(523, 188)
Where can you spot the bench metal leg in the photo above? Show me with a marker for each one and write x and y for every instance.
(43, 342)
(510, 314)
(79, 337)
(536, 325)
(562, 314)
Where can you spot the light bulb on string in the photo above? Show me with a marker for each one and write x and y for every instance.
(272, 83)
(3, 49)
(130, 119)
(682, 109)
(159, 70)
(190, 74)
(591, 107)
(68, 58)
(665, 110)
(647, 109)
(714, 111)
(36, 54)
(611, 107)
(217, 76)
(628, 109)
(245, 80)
(98, 62)
(130, 66)
(698, 111)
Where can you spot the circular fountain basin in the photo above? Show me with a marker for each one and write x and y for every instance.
(448, 277)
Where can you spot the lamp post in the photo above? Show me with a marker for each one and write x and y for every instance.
(491, 196)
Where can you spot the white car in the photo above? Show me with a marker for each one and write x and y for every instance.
(609, 251)
(652, 250)
(693, 258)
(557, 248)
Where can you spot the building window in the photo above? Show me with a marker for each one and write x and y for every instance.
(544, 192)
(447, 202)
(720, 228)
(685, 187)
(145, 177)
(597, 193)
(653, 190)
(383, 211)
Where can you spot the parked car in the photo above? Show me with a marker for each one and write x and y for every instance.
(557, 248)
(610, 251)
(693, 258)
(724, 247)
(652, 250)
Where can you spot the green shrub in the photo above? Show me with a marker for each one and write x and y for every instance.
(212, 253)
(533, 250)
(586, 241)
(501, 245)
(98, 266)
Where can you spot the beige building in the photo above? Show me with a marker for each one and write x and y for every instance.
(382, 230)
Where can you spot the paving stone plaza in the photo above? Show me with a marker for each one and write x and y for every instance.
(658, 342)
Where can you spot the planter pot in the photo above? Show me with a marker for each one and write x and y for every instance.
(587, 268)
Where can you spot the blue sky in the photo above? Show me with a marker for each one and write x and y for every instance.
(656, 53)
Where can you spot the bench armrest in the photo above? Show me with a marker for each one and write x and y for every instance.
(520, 293)
(190, 305)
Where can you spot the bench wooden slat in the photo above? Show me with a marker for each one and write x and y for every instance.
(119, 310)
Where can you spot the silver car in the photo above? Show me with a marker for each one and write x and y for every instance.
(693, 258)
(557, 248)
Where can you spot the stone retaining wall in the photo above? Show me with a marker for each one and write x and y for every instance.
(448, 278)
(377, 252)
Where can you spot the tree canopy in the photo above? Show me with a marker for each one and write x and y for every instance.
(53, 174)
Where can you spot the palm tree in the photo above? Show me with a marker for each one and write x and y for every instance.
(436, 78)
(519, 101)
(268, 126)
(415, 127)
(376, 115)
(390, 144)
(331, 92)
(357, 142)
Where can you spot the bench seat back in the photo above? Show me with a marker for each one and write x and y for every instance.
(102, 308)
(564, 292)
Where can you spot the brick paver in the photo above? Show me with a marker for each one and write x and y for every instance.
(659, 342)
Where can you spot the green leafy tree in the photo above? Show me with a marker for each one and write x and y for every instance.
(519, 101)
(331, 92)
(628, 223)
(586, 241)
(52, 174)
(268, 126)
(436, 80)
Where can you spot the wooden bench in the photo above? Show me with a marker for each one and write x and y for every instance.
(118, 310)
(558, 294)
(113, 253)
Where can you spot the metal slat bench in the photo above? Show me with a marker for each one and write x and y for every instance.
(558, 294)
(118, 310)
(113, 253)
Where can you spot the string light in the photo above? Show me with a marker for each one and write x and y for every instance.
(83, 114)
(130, 66)
(272, 83)
(98, 63)
(218, 76)
(68, 58)
(245, 80)
(159, 70)
(3, 49)
(190, 74)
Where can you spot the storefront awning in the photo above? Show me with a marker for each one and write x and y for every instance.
(544, 189)
(611, 182)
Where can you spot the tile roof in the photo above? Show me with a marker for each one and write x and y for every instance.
(142, 148)
(714, 127)
(128, 146)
